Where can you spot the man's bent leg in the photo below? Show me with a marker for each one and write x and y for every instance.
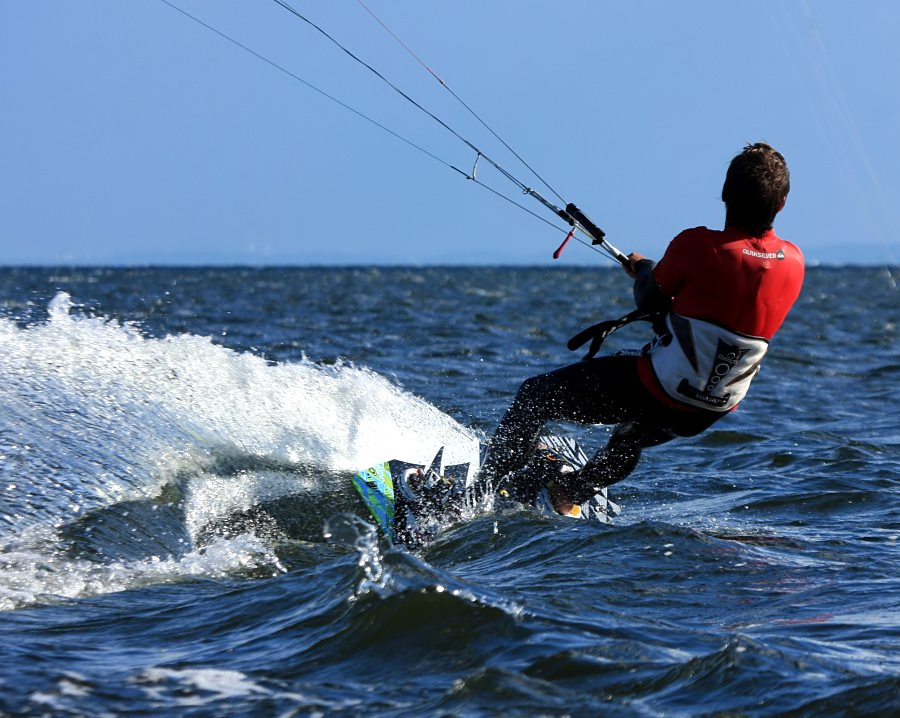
(518, 430)
(589, 392)
(614, 462)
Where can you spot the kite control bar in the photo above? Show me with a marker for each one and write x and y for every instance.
(578, 219)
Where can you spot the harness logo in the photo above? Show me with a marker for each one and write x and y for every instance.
(727, 355)
(685, 389)
(764, 255)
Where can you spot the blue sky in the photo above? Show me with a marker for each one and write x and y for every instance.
(131, 134)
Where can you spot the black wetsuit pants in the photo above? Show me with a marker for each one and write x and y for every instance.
(603, 390)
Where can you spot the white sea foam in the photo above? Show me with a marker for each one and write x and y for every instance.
(35, 571)
(97, 413)
(201, 686)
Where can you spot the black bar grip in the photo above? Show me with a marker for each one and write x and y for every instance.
(579, 216)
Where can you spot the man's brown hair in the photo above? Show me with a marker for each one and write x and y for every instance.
(756, 185)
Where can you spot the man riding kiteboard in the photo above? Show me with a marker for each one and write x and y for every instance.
(716, 299)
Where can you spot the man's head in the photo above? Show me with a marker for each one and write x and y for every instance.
(756, 187)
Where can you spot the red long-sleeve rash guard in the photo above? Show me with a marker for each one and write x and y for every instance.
(742, 283)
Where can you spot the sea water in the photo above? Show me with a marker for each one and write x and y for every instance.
(179, 534)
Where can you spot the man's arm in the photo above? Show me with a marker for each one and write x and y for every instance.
(647, 295)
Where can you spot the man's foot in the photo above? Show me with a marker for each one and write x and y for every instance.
(545, 469)
(561, 503)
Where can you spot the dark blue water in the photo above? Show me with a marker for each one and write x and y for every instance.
(179, 536)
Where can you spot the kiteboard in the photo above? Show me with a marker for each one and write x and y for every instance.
(411, 502)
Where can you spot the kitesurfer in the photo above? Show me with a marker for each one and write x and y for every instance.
(718, 296)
